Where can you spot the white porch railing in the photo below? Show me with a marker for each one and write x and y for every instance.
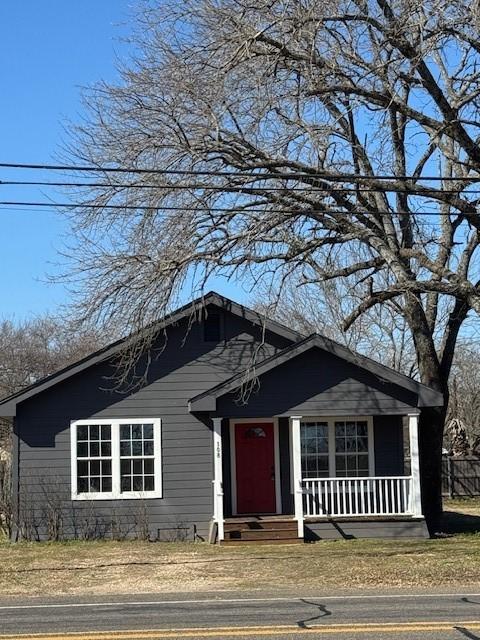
(375, 496)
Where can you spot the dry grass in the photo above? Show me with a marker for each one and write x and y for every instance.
(461, 515)
(470, 506)
(100, 568)
(136, 567)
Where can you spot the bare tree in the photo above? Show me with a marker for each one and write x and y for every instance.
(33, 349)
(464, 407)
(322, 307)
(29, 351)
(306, 132)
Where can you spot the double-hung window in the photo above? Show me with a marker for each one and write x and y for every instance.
(314, 446)
(116, 458)
(337, 447)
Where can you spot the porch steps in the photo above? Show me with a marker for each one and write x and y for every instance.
(261, 530)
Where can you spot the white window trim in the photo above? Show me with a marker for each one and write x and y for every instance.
(116, 494)
(332, 471)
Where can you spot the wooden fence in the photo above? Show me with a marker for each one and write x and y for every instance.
(461, 476)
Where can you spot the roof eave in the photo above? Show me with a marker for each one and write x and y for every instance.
(9, 403)
(426, 397)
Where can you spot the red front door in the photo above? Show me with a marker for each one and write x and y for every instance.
(255, 467)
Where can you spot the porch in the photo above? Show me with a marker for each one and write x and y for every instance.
(290, 478)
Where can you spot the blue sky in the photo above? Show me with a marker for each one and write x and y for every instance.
(48, 51)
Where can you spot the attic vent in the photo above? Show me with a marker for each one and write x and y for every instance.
(212, 328)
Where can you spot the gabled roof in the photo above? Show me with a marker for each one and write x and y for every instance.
(8, 404)
(427, 397)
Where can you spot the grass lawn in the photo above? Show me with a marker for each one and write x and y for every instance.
(99, 568)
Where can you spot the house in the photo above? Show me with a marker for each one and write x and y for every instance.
(244, 430)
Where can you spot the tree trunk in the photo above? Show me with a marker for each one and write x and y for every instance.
(432, 419)
(431, 425)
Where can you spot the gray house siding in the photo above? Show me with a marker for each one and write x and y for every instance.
(327, 385)
(388, 445)
(186, 366)
(349, 529)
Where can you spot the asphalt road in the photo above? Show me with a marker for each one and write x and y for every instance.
(410, 615)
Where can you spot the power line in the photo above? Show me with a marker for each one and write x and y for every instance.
(254, 173)
(225, 210)
(246, 189)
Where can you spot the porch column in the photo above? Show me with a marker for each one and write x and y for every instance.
(297, 472)
(416, 497)
(218, 476)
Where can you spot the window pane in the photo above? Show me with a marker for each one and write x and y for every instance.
(148, 431)
(125, 432)
(125, 448)
(94, 484)
(82, 485)
(149, 483)
(351, 444)
(82, 468)
(94, 432)
(310, 445)
(339, 444)
(106, 468)
(362, 444)
(362, 429)
(137, 448)
(339, 428)
(322, 430)
(126, 483)
(340, 463)
(309, 430)
(82, 450)
(149, 466)
(322, 445)
(137, 483)
(95, 468)
(138, 466)
(106, 432)
(137, 431)
(82, 432)
(125, 466)
(106, 485)
(94, 449)
(106, 449)
(323, 463)
(148, 448)
(363, 462)
(351, 463)
(350, 429)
